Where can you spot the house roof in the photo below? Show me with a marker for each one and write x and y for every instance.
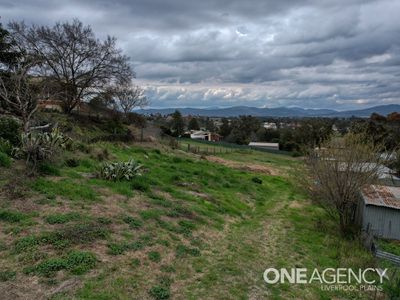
(379, 195)
(264, 144)
(200, 132)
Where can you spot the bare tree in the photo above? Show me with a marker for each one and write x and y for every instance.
(20, 93)
(78, 65)
(127, 97)
(338, 171)
(19, 89)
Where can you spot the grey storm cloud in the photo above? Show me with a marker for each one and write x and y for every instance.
(310, 53)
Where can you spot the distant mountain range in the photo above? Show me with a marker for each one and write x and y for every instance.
(275, 112)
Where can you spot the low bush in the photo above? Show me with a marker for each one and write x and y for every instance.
(5, 146)
(160, 292)
(256, 180)
(12, 216)
(74, 234)
(116, 171)
(77, 262)
(72, 162)
(5, 160)
(40, 147)
(10, 130)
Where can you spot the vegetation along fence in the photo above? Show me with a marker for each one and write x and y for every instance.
(224, 146)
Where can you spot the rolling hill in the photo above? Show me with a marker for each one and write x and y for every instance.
(275, 112)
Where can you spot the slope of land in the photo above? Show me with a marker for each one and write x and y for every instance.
(191, 227)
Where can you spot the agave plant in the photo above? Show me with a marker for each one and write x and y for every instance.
(116, 171)
(37, 147)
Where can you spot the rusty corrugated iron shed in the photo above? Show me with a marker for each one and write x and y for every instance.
(379, 195)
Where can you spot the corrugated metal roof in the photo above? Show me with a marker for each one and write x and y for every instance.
(379, 195)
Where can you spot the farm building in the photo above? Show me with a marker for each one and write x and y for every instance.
(272, 146)
(379, 211)
(386, 176)
(205, 136)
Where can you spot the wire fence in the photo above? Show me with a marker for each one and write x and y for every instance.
(229, 146)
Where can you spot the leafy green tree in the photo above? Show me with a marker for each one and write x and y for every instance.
(210, 125)
(193, 124)
(177, 124)
(225, 128)
(243, 130)
(313, 132)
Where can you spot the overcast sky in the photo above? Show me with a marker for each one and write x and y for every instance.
(341, 54)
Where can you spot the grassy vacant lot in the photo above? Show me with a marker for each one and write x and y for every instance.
(190, 228)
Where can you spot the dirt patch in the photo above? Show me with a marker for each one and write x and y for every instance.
(296, 204)
(244, 166)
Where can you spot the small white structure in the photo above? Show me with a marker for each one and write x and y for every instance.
(205, 135)
(199, 135)
(271, 146)
(270, 125)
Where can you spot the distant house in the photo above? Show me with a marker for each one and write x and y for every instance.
(205, 136)
(379, 211)
(54, 105)
(270, 146)
(270, 125)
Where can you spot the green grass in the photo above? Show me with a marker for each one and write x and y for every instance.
(62, 218)
(389, 246)
(211, 228)
(13, 216)
(65, 188)
(76, 262)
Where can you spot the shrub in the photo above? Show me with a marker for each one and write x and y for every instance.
(26, 243)
(116, 171)
(12, 216)
(39, 147)
(72, 162)
(10, 130)
(5, 146)
(79, 262)
(160, 292)
(5, 161)
(256, 180)
(50, 266)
